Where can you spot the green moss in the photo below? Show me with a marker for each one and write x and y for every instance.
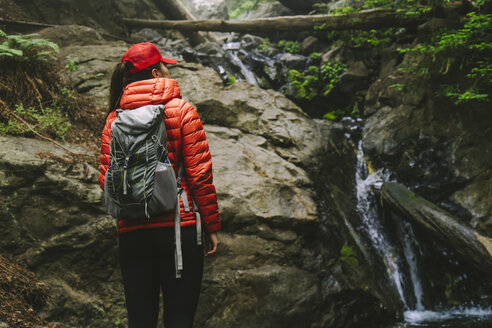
(293, 47)
(231, 79)
(347, 256)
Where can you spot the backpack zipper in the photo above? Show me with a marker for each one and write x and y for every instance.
(125, 168)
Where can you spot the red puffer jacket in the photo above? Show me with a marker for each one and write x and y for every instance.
(185, 139)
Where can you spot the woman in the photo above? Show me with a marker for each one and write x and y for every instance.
(146, 247)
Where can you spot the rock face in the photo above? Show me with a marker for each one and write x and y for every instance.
(98, 14)
(441, 150)
(207, 9)
(279, 262)
(299, 6)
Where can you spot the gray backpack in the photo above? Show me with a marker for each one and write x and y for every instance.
(140, 182)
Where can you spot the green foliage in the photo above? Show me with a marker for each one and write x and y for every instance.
(25, 47)
(294, 47)
(265, 45)
(467, 50)
(364, 39)
(47, 120)
(335, 115)
(315, 56)
(68, 93)
(231, 79)
(72, 64)
(317, 81)
(347, 255)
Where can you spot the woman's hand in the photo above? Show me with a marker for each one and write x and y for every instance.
(211, 243)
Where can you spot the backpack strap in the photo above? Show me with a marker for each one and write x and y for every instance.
(198, 224)
(177, 221)
(178, 255)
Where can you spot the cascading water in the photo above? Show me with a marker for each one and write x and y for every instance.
(232, 49)
(415, 313)
(368, 212)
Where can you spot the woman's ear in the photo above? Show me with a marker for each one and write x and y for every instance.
(156, 73)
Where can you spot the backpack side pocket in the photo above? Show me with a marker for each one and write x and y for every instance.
(165, 193)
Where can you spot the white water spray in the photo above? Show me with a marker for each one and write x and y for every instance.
(366, 207)
(370, 220)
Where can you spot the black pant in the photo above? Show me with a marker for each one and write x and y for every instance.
(147, 266)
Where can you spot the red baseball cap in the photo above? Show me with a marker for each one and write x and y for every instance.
(143, 55)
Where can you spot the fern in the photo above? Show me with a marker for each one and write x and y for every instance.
(25, 47)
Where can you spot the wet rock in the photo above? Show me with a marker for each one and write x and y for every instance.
(250, 42)
(309, 45)
(146, 35)
(356, 77)
(436, 148)
(292, 61)
(339, 53)
(176, 46)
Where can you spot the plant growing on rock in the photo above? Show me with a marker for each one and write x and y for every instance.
(466, 50)
(317, 81)
(31, 90)
(293, 47)
(24, 47)
(347, 255)
(48, 120)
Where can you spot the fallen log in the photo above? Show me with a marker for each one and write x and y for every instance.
(469, 244)
(366, 19)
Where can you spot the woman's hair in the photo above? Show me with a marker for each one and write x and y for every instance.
(122, 77)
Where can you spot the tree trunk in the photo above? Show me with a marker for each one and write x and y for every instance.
(366, 19)
(470, 245)
(175, 10)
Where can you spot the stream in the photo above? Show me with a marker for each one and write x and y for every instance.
(402, 262)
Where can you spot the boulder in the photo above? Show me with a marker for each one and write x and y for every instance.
(66, 35)
(293, 61)
(96, 64)
(437, 148)
(356, 77)
(267, 9)
(250, 42)
(309, 45)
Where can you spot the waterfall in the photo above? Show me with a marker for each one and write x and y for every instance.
(410, 247)
(415, 313)
(232, 49)
(366, 207)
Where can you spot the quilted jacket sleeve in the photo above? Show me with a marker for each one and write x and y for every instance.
(106, 136)
(198, 166)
